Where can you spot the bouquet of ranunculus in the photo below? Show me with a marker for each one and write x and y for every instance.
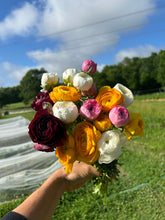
(80, 122)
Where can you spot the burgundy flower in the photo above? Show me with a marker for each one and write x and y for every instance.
(47, 129)
(41, 147)
(39, 99)
(92, 91)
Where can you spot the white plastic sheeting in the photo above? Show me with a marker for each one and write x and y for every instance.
(22, 168)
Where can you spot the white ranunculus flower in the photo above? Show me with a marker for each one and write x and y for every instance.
(66, 111)
(126, 92)
(68, 76)
(49, 80)
(82, 81)
(110, 145)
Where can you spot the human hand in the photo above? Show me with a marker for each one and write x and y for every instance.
(47, 196)
(80, 174)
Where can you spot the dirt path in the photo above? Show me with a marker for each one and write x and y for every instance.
(152, 100)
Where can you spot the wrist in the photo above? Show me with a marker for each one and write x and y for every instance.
(59, 180)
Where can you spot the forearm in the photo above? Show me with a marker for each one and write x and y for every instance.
(42, 203)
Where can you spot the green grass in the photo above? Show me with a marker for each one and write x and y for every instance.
(15, 109)
(28, 115)
(158, 95)
(142, 162)
(16, 106)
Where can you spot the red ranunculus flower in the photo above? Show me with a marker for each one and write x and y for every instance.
(39, 99)
(47, 129)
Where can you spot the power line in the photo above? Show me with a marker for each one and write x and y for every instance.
(117, 30)
(111, 32)
(83, 26)
(107, 42)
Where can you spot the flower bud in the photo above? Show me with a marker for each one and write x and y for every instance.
(89, 66)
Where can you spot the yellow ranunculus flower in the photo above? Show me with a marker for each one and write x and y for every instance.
(102, 122)
(65, 93)
(66, 154)
(135, 126)
(109, 97)
(86, 137)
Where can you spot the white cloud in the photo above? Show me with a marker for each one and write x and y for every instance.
(100, 67)
(14, 71)
(66, 56)
(71, 14)
(50, 16)
(63, 15)
(141, 51)
(57, 61)
(19, 22)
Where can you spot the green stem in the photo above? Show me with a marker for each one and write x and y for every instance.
(105, 192)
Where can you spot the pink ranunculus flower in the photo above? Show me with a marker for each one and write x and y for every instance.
(90, 109)
(42, 147)
(119, 116)
(89, 66)
(92, 91)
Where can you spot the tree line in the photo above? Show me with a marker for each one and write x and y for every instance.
(138, 74)
(26, 91)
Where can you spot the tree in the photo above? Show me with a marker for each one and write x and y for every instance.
(130, 72)
(148, 73)
(3, 98)
(161, 69)
(114, 75)
(30, 84)
(9, 95)
(100, 78)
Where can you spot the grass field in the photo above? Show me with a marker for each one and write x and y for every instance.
(158, 95)
(16, 109)
(140, 190)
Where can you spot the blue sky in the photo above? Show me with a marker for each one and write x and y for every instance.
(60, 34)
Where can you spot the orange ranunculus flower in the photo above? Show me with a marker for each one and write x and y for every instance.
(66, 153)
(52, 97)
(86, 137)
(135, 126)
(65, 93)
(102, 123)
(109, 97)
